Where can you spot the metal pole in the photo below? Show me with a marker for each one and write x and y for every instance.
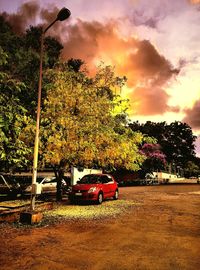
(62, 15)
(36, 146)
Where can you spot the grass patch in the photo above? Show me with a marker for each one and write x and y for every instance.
(106, 210)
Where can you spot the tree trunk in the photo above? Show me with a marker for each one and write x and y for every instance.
(59, 176)
(59, 173)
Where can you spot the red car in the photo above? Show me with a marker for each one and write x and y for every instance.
(94, 187)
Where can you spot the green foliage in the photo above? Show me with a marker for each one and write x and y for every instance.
(75, 64)
(176, 140)
(79, 126)
(191, 169)
(84, 120)
(3, 59)
(23, 59)
(13, 150)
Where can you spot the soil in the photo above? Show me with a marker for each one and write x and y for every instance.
(161, 231)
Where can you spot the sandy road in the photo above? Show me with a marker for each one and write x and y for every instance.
(160, 232)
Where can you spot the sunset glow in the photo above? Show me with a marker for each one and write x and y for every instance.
(155, 44)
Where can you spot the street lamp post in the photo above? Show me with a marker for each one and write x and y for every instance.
(63, 14)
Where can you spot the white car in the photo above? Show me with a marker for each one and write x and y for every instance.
(48, 186)
(9, 187)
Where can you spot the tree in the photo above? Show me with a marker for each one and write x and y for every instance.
(176, 140)
(19, 71)
(79, 123)
(24, 58)
(84, 120)
(14, 153)
(179, 146)
(155, 159)
(192, 169)
(75, 64)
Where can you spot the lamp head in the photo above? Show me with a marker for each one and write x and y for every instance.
(63, 14)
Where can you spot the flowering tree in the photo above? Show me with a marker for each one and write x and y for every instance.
(82, 123)
(155, 159)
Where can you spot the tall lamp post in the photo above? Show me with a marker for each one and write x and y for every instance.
(63, 14)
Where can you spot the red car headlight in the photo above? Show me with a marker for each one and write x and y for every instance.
(92, 189)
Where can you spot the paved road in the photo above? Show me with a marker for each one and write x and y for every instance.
(160, 232)
(170, 188)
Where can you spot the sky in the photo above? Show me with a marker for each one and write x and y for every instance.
(155, 44)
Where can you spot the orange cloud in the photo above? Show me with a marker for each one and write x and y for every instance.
(192, 116)
(146, 69)
(194, 1)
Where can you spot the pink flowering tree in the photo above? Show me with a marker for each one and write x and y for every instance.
(155, 159)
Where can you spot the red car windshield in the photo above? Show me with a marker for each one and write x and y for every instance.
(94, 179)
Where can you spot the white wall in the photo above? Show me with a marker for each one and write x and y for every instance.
(162, 175)
(77, 174)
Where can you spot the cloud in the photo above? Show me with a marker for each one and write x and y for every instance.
(148, 71)
(148, 64)
(27, 14)
(150, 14)
(147, 101)
(194, 1)
(192, 116)
(31, 13)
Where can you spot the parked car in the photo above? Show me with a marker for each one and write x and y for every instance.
(152, 182)
(9, 186)
(131, 182)
(48, 186)
(94, 187)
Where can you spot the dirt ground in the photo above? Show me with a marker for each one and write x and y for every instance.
(161, 231)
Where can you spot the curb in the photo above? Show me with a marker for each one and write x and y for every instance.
(12, 214)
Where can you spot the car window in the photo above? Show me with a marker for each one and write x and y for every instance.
(1, 181)
(8, 180)
(91, 179)
(104, 179)
(109, 179)
(45, 181)
(48, 180)
(53, 180)
(40, 179)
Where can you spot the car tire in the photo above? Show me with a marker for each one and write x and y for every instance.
(116, 196)
(100, 198)
(72, 201)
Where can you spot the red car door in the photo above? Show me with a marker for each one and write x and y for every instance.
(111, 186)
(108, 186)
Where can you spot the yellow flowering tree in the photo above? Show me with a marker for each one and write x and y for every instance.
(80, 126)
